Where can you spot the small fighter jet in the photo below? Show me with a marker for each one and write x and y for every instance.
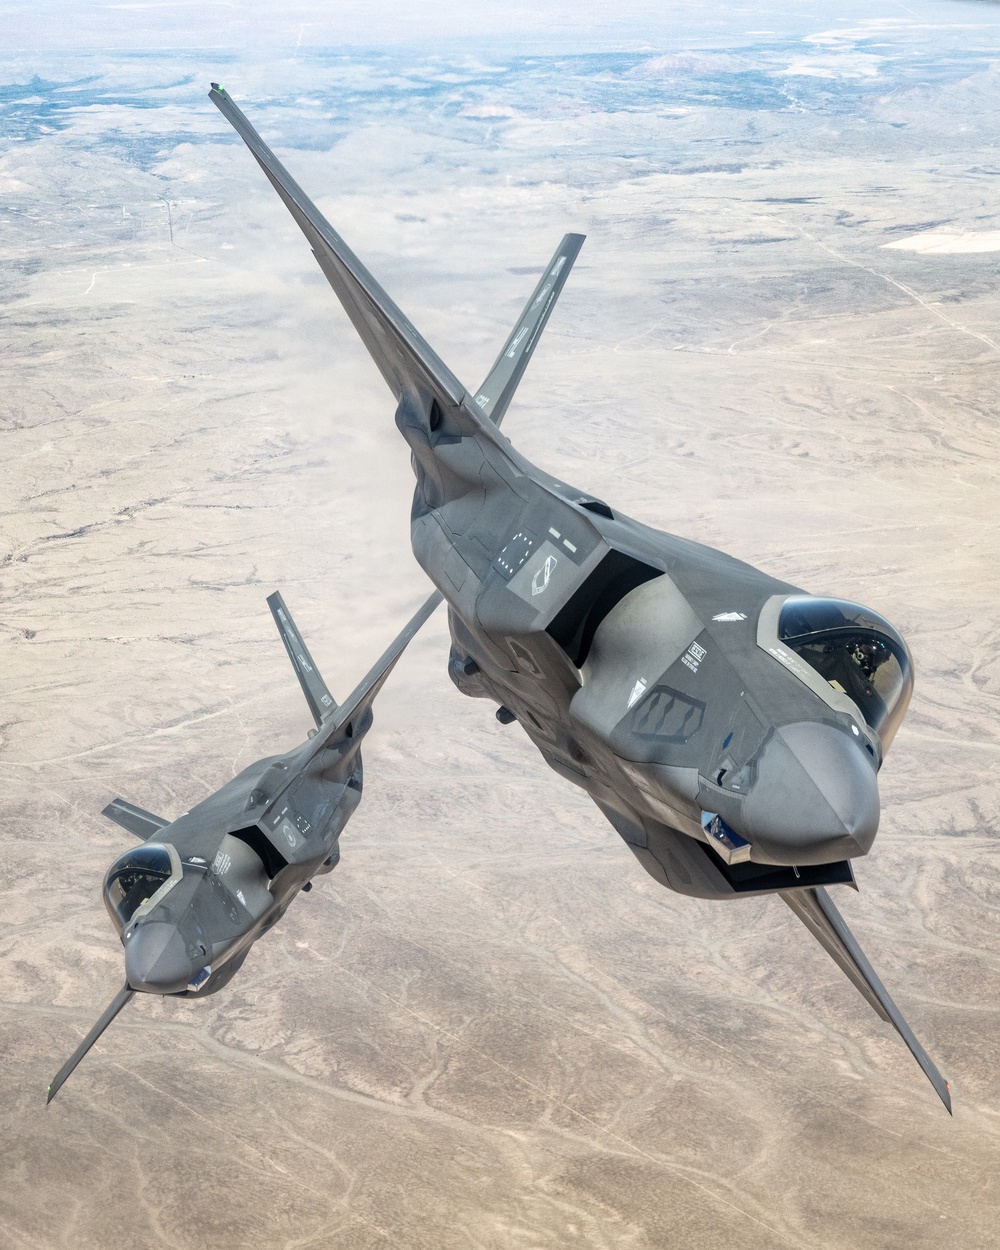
(194, 897)
(729, 725)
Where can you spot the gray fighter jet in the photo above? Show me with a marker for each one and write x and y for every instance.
(729, 725)
(194, 897)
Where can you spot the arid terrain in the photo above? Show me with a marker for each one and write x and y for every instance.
(489, 1028)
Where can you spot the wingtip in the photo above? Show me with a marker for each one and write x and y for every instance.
(941, 1087)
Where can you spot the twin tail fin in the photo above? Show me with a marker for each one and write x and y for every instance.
(320, 700)
(502, 380)
(405, 359)
(330, 717)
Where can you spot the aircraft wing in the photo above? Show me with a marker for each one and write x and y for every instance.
(109, 1013)
(501, 382)
(136, 820)
(816, 910)
(361, 698)
(407, 362)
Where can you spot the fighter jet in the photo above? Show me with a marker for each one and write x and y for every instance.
(189, 903)
(729, 725)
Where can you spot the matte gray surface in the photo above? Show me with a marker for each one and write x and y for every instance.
(532, 569)
(448, 1006)
(250, 848)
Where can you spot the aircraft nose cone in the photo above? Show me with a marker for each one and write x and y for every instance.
(815, 799)
(156, 959)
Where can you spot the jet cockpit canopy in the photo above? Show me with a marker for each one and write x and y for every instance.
(139, 879)
(856, 651)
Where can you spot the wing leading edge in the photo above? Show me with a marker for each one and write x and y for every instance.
(108, 1014)
(405, 359)
(816, 910)
(363, 695)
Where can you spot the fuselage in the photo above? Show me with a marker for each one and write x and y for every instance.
(656, 673)
(190, 904)
(728, 725)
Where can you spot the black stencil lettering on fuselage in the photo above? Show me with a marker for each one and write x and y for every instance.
(667, 715)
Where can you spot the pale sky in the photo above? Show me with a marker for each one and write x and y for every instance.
(261, 24)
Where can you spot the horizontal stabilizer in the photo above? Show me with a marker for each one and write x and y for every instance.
(321, 702)
(136, 820)
(816, 910)
(109, 1013)
(364, 694)
(497, 391)
(407, 362)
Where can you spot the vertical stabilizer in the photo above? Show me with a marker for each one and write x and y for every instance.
(139, 822)
(362, 697)
(502, 380)
(321, 702)
(404, 358)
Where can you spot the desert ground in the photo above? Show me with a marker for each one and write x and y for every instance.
(488, 1028)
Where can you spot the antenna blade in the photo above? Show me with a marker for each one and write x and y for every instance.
(109, 1013)
(815, 908)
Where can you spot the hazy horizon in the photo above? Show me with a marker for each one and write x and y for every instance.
(488, 1027)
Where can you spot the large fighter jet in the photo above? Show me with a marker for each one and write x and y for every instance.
(730, 726)
(194, 897)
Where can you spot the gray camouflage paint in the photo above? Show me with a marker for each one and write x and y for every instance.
(643, 666)
(243, 854)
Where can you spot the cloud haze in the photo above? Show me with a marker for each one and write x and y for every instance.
(488, 1027)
